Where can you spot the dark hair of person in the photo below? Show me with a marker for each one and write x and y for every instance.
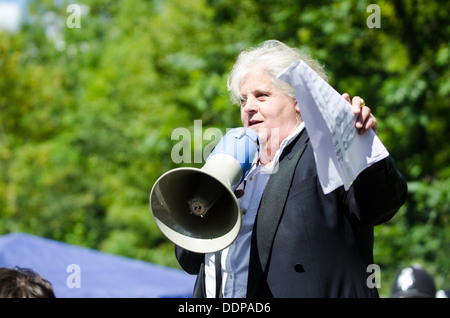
(24, 283)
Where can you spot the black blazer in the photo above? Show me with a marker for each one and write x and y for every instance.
(308, 244)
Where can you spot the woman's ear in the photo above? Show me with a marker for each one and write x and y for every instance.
(297, 108)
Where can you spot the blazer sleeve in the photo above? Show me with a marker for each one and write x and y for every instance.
(189, 261)
(379, 192)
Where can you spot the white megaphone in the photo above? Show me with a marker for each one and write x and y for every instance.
(197, 208)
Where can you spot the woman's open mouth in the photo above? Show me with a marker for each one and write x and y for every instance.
(253, 123)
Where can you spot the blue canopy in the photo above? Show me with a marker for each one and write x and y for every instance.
(81, 272)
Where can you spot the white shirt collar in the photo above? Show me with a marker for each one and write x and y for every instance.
(274, 167)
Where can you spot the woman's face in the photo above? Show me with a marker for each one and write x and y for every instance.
(267, 110)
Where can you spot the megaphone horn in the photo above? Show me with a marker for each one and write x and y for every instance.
(196, 208)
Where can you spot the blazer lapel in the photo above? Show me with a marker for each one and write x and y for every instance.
(272, 204)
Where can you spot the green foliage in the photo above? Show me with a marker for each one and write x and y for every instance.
(418, 234)
(86, 115)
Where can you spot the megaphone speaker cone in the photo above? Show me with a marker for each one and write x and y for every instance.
(195, 210)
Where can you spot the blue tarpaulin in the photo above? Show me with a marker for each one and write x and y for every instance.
(76, 271)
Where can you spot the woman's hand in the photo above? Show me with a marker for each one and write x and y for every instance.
(365, 119)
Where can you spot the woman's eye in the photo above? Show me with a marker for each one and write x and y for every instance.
(262, 95)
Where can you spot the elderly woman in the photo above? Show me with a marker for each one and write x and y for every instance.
(295, 241)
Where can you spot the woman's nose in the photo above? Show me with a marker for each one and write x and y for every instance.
(250, 105)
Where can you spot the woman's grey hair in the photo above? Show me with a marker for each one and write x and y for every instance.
(269, 58)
